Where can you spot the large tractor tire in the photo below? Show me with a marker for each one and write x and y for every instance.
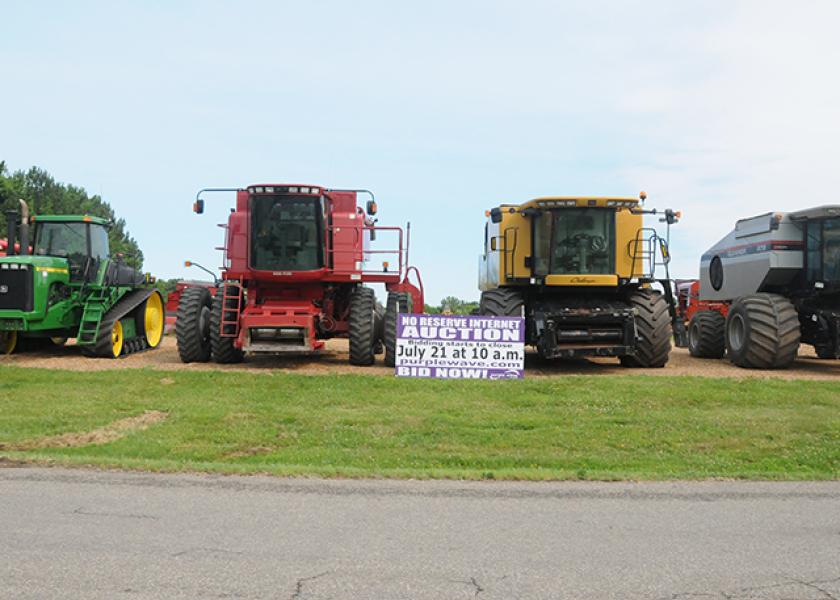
(192, 326)
(222, 348)
(762, 332)
(653, 330)
(398, 302)
(151, 320)
(362, 326)
(379, 329)
(501, 302)
(706, 334)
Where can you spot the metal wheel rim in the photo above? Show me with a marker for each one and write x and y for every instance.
(693, 335)
(737, 331)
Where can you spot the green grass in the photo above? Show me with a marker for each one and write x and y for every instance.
(574, 427)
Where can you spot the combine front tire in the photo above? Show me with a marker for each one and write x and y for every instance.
(706, 333)
(192, 326)
(398, 302)
(653, 330)
(222, 348)
(762, 332)
(501, 302)
(362, 326)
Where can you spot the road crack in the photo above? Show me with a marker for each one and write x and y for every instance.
(300, 582)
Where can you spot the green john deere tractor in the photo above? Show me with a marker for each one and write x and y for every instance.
(67, 285)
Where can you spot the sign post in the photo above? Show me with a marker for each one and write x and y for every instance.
(460, 347)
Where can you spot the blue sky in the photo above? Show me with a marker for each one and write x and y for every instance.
(443, 109)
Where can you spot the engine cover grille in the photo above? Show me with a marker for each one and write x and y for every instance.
(16, 289)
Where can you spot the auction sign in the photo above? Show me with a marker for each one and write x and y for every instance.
(460, 347)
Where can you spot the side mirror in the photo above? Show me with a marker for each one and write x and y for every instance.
(371, 207)
(496, 215)
(198, 207)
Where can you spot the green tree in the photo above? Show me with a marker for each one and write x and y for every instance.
(45, 196)
(453, 305)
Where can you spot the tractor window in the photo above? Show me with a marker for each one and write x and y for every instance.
(831, 250)
(61, 239)
(286, 233)
(99, 242)
(575, 240)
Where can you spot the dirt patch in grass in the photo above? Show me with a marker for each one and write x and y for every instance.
(335, 359)
(97, 437)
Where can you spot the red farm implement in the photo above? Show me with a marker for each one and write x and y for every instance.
(298, 262)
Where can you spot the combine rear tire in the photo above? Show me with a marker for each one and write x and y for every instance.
(706, 334)
(398, 302)
(362, 326)
(762, 332)
(150, 320)
(192, 326)
(222, 348)
(501, 302)
(653, 330)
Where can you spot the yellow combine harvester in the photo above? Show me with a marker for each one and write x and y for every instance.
(581, 271)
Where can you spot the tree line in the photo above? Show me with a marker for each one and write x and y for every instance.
(452, 305)
(46, 196)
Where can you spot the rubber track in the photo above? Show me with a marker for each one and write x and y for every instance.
(191, 345)
(103, 347)
(653, 330)
(774, 333)
(710, 340)
(362, 327)
(501, 302)
(222, 348)
(398, 302)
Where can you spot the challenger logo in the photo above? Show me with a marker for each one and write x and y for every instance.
(582, 280)
(4, 289)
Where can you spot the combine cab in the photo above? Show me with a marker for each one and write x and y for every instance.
(67, 285)
(772, 283)
(297, 264)
(581, 270)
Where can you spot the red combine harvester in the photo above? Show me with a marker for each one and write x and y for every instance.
(297, 259)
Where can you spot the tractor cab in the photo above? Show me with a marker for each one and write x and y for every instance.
(822, 247)
(81, 241)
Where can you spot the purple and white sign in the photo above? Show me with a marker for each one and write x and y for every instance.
(460, 347)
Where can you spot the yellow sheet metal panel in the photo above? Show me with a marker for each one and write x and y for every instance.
(627, 228)
(515, 232)
(582, 280)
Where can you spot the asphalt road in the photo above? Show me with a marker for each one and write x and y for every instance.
(83, 534)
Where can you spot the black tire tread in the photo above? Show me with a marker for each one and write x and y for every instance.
(653, 330)
(192, 346)
(711, 338)
(362, 326)
(222, 348)
(398, 302)
(501, 302)
(773, 332)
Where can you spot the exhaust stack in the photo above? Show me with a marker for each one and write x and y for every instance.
(24, 228)
(11, 231)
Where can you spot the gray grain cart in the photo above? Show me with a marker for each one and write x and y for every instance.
(771, 284)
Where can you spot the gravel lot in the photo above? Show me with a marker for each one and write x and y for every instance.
(335, 360)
